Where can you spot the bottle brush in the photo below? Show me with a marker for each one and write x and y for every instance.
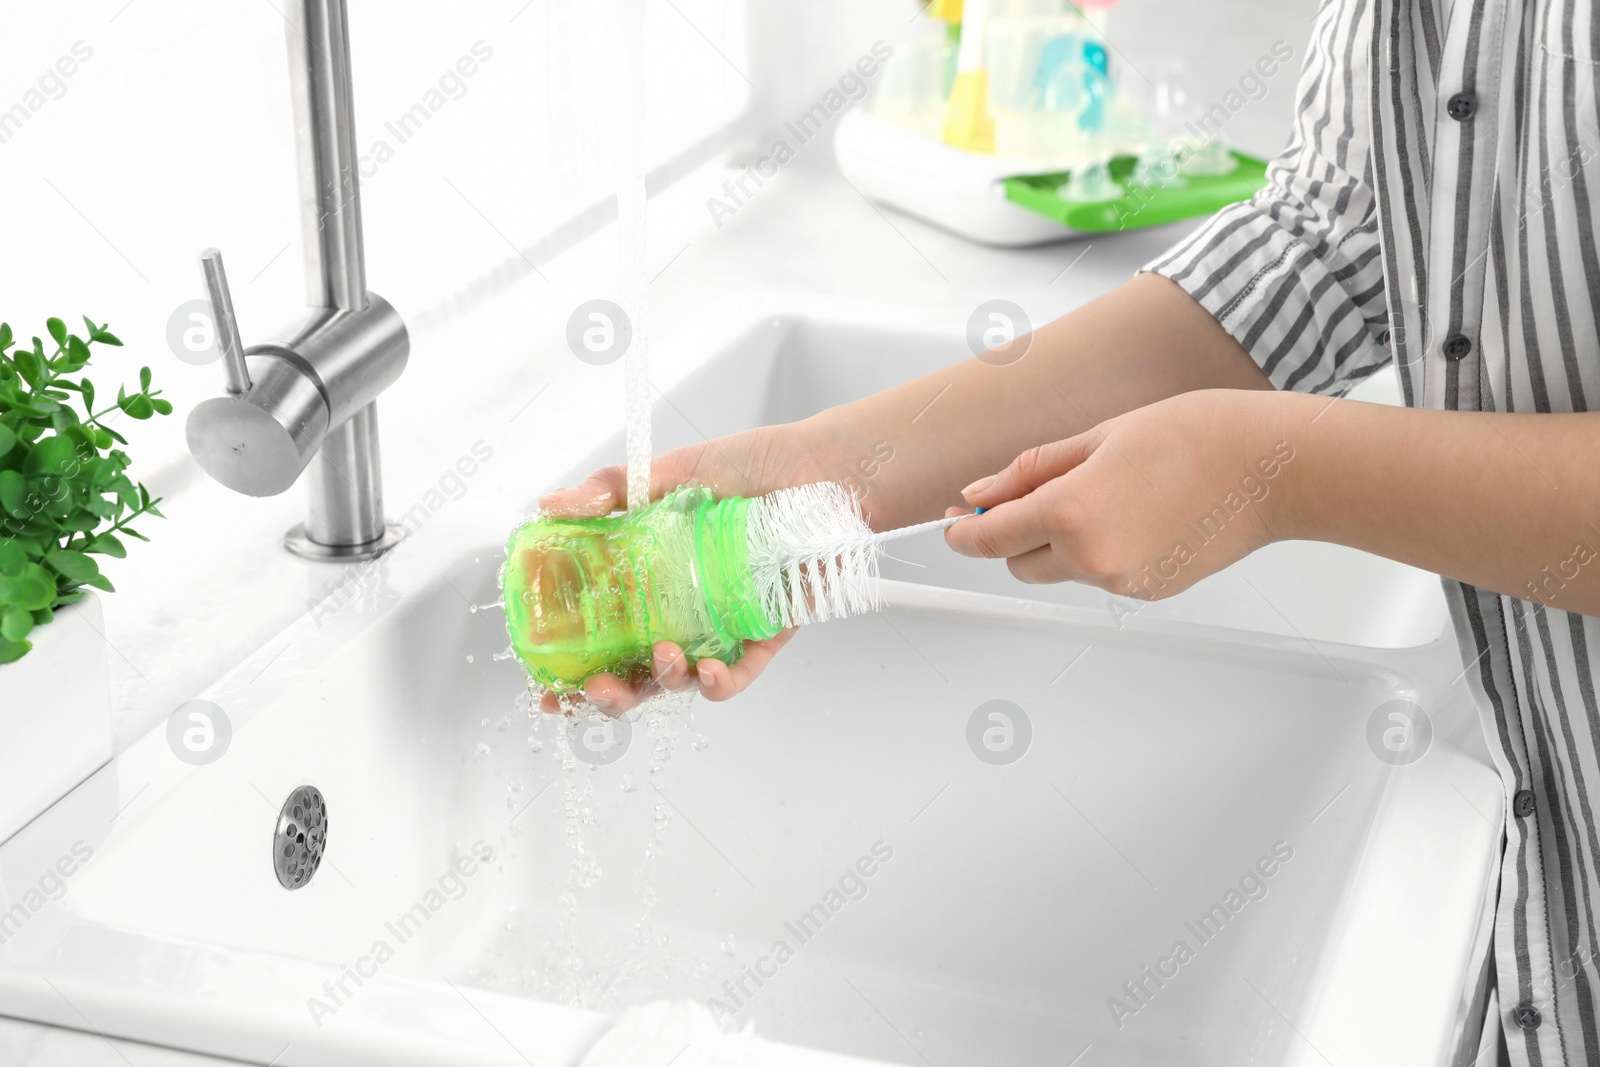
(585, 596)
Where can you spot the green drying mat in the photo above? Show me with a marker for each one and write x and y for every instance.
(1201, 194)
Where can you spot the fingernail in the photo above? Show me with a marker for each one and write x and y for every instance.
(603, 703)
(703, 673)
(978, 486)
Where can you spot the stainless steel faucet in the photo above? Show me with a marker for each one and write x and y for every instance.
(310, 398)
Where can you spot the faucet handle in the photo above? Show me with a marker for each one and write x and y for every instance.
(236, 376)
(258, 436)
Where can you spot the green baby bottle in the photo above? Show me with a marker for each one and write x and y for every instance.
(585, 596)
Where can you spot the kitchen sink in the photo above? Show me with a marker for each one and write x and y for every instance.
(980, 824)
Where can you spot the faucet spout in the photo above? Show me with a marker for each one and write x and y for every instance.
(318, 33)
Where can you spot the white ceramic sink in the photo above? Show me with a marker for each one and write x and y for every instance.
(1006, 903)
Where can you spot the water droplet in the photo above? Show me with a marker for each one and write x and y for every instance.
(628, 784)
(469, 658)
(728, 945)
(504, 724)
(699, 742)
(483, 750)
(472, 608)
(534, 744)
(484, 722)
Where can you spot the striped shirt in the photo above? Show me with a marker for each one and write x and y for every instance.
(1435, 210)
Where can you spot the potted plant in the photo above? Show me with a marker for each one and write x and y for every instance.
(65, 498)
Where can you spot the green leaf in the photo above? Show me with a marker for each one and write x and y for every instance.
(87, 387)
(58, 330)
(13, 490)
(131, 532)
(100, 581)
(5, 336)
(108, 545)
(13, 557)
(11, 651)
(8, 438)
(163, 407)
(29, 591)
(101, 470)
(27, 365)
(122, 485)
(77, 353)
(53, 455)
(16, 624)
(144, 378)
(137, 406)
(74, 566)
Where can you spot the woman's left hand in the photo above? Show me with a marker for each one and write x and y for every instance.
(1145, 504)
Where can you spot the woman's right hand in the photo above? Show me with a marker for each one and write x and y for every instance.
(743, 464)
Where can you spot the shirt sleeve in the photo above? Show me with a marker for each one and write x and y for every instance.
(1295, 274)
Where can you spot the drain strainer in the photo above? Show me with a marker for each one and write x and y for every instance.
(300, 838)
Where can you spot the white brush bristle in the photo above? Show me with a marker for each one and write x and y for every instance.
(812, 554)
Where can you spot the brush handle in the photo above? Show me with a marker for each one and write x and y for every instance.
(921, 527)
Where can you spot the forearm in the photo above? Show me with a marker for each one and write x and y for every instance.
(1142, 342)
(1509, 503)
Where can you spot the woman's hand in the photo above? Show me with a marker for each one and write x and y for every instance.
(744, 464)
(1145, 504)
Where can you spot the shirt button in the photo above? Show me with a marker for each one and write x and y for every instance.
(1522, 803)
(1461, 106)
(1456, 346)
(1528, 1017)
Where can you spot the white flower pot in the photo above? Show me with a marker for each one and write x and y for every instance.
(55, 714)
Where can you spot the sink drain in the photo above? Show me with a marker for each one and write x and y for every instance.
(300, 837)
